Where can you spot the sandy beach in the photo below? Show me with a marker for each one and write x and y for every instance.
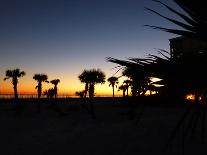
(111, 133)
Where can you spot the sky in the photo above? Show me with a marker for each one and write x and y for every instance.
(61, 38)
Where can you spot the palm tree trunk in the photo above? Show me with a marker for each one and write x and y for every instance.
(39, 90)
(113, 91)
(55, 91)
(86, 90)
(39, 93)
(18, 106)
(127, 91)
(15, 91)
(91, 95)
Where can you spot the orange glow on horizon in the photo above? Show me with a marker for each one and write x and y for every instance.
(69, 84)
(63, 89)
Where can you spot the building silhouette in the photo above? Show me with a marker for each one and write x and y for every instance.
(183, 44)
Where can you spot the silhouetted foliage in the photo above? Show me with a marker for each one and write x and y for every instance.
(123, 88)
(40, 78)
(50, 93)
(113, 81)
(55, 83)
(182, 73)
(84, 77)
(127, 83)
(14, 75)
(139, 80)
(90, 78)
(195, 25)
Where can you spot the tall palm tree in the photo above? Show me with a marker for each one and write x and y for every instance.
(55, 83)
(123, 87)
(127, 84)
(40, 78)
(113, 81)
(90, 78)
(14, 75)
(84, 78)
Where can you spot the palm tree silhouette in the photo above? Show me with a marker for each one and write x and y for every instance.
(139, 79)
(127, 84)
(50, 93)
(14, 75)
(55, 83)
(91, 78)
(184, 73)
(113, 81)
(96, 77)
(84, 77)
(40, 78)
(123, 87)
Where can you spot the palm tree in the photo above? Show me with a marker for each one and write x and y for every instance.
(113, 81)
(40, 78)
(139, 79)
(84, 78)
(123, 88)
(184, 73)
(127, 84)
(91, 78)
(55, 83)
(14, 74)
(50, 93)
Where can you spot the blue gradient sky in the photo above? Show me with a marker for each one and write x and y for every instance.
(63, 37)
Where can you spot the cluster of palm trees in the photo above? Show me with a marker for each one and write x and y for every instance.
(179, 74)
(15, 74)
(95, 76)
(89, 77)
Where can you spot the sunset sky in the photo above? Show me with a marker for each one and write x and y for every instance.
(61, 38)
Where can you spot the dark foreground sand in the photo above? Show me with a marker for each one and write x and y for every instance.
(111, 133)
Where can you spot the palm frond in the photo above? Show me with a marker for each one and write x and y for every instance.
(185, 26)
(196, 23)
(175, 31)
(187, 19)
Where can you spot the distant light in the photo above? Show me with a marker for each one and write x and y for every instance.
(158, 85)
(190, 97)
(148, 93)
(154, 79)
